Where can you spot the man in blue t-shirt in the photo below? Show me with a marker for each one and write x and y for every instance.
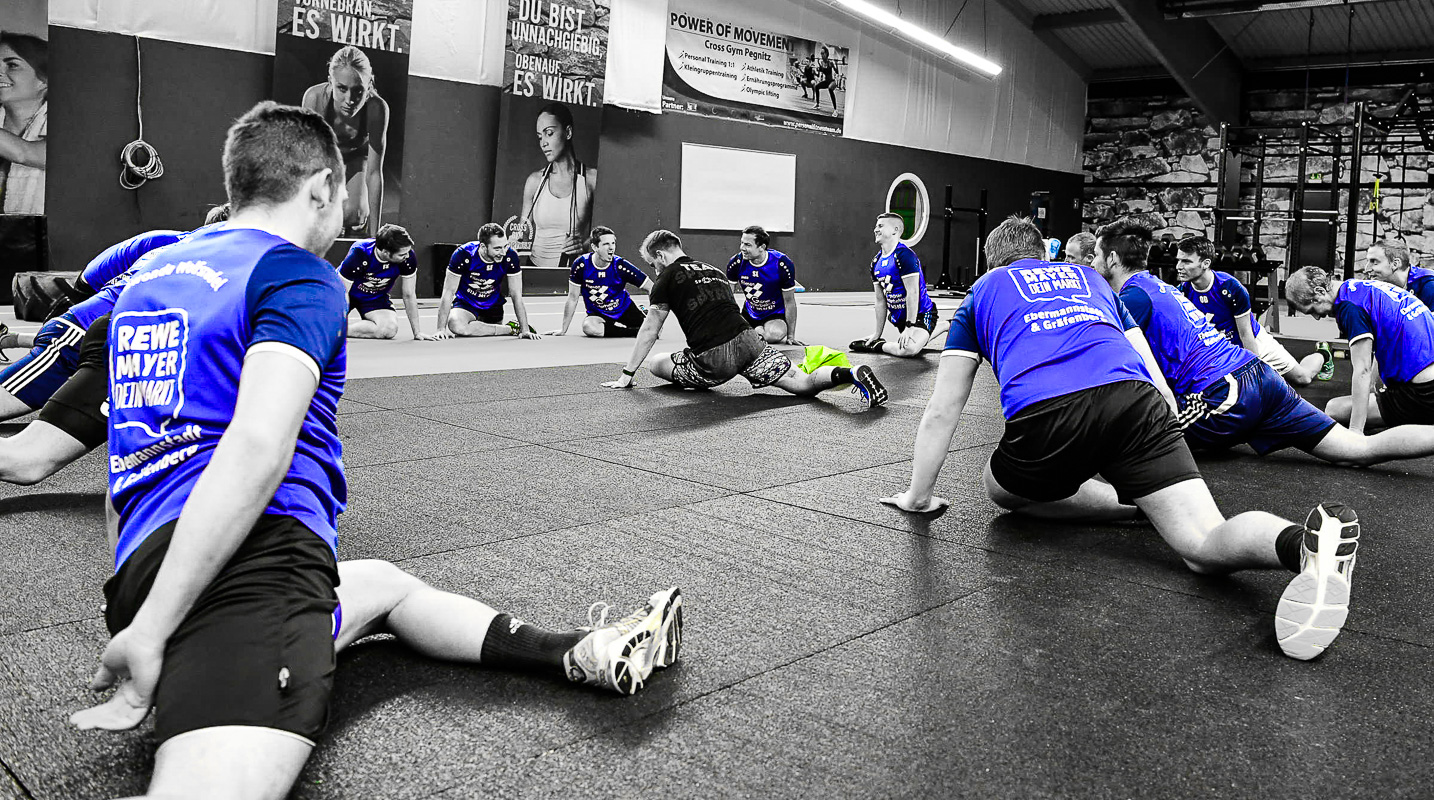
(768, 278)
(369, 271)
(1227, 395)
(1391, 262)
(1225, 302)
(482, 276)
(1382, 322)
(1082, 397)
(901, 297)
(599, 280)
(227, 605)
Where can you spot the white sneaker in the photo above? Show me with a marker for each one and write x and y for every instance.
(622, 655)
(1315, 604)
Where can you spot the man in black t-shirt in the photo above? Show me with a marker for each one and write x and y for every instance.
(720, 343)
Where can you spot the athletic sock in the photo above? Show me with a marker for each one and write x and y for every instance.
(841, 375)
(1287, 546)
(514, 644)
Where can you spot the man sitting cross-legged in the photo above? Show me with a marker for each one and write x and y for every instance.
(1081, 396)
(720, 343)
(600, 279)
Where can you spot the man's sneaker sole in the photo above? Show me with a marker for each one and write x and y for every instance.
(869, 386)
(668, 641)
(1314, 605)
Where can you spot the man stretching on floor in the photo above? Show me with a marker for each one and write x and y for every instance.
(720, 343)
(1382, 322)
(600, 278)
(1079, 400)
(1228, 396)
(1224, 301)
(769, 280)
(481, 276)
(370, 270)
(226, 502)
(1389, 261)
(901, 297)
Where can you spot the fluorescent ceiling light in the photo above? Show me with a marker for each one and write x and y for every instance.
(919, 35)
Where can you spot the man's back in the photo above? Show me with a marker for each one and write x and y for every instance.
(1401, 326)
(1191, 351)
(701, 297)
(178, 337)
(1047, 329)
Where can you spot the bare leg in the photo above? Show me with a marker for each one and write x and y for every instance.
(1189, 521)
(913, 343)
(462, 323)
(377, 596)
(594, 327)
(36, 453)
(774, 330)
(1343, 446)
(229, 762)
(11, 407)
(1303, 373)
(1093, 502)
(378, 324)
(1341, 408)
(660, 364)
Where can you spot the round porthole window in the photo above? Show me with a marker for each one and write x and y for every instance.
(907, 198)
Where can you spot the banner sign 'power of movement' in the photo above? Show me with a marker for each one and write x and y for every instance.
(557, 51)
(721, 69)
(348, 60)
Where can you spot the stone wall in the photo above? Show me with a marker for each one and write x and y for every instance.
(1158, 157)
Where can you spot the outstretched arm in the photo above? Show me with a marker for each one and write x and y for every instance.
(445, 304)
(789, 302)
(1361, 356)
(569, 308)
(646, 338)
(1247, 333)
(515, 291)
(880, 311)
(373, 168)
(408, 288)
(938, 426)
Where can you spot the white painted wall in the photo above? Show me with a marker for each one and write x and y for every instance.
(1033, 113)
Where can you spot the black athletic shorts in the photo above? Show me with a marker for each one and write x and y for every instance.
(625, 326)
(1124, 432)
(1406, 403)
(758, 323)
(78, 406)
(926, 320)
(257, 649)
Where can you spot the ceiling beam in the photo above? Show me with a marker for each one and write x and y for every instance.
(1382, 58)
(1047, 37)
(1195, 56)
(1075, 19)
(1190, 9)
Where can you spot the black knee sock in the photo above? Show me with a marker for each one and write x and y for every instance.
(514, 644)
(841, 375)
(1287, 546)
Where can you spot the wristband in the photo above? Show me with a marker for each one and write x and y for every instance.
(630, 373)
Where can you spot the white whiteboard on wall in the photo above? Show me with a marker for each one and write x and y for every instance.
(726, 189)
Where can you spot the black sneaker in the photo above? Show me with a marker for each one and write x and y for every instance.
(864, 383)
(861, 346)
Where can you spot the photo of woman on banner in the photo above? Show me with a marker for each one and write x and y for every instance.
(826, 78)
(24, 112)
(359, 116)
(558, 198)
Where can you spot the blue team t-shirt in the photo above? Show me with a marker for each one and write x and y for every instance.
(764, 285)
(1421, 285)
(1222, 303)
(1190, 350)
(604, 288)
(1401, 326)
(481, 283)
(374, 279)
(177, 341)
(886, 272)
(1047, 329)
(117, 259)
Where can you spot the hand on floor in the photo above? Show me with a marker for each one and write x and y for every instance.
(905, 502)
